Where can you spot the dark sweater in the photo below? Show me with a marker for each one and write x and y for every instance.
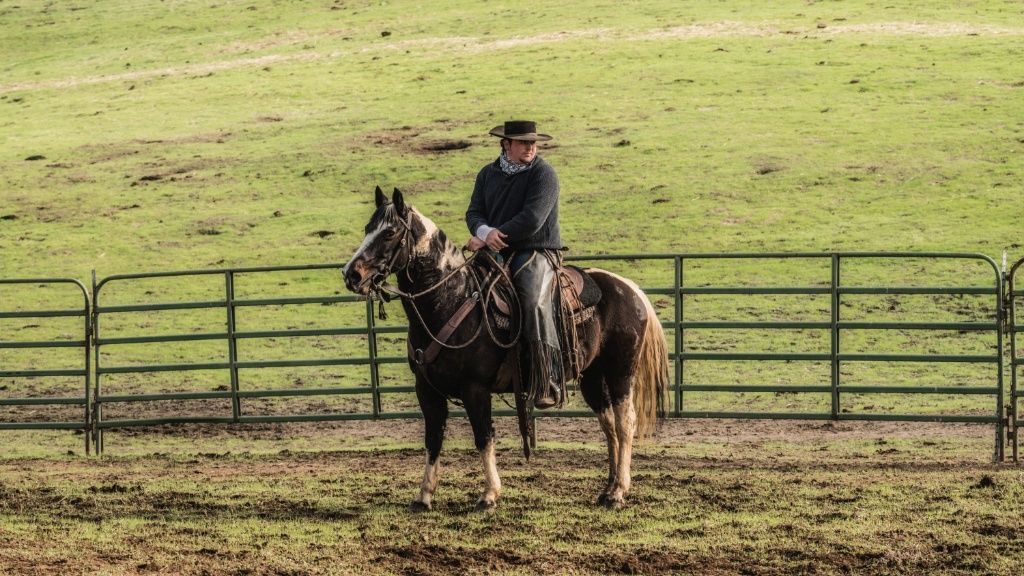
(523, 206)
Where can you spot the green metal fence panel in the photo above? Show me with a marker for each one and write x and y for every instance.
(680, 282)
(1014, 418)
(75, 338)
(228, 335)
(838, 329)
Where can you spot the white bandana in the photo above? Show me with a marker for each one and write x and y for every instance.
(509, 167)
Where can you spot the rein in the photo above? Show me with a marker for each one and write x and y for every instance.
(384, 292)
(482, 296)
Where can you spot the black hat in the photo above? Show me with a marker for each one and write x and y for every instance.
(519, 130)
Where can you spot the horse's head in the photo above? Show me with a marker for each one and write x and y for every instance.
(389, 244)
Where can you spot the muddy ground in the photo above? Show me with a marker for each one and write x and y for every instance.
(709, 497)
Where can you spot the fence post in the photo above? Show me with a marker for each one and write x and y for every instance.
(229, 301)
(678, 291)
(97, 408)
(1000, 353)
(1009, 325)
(371, 343)
(88, 370)
(835, 337)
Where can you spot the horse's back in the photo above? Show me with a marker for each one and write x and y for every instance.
(622, 303)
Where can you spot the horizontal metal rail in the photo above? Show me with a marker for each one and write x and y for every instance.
(11, 344)
(43, 372)
(47, 401)
(44, 314)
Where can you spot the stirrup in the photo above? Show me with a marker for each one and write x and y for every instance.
(550, 397)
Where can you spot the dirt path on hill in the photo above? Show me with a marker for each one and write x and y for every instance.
(477, 44)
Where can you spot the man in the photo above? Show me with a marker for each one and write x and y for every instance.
(514, 211)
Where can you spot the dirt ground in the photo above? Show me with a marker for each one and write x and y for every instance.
(671, 432)
(709, 497)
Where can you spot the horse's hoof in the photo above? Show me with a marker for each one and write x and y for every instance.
(614, 503)
(417, 507)
(602, 500)
(485, 505)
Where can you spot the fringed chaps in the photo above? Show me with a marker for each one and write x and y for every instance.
(535, 278)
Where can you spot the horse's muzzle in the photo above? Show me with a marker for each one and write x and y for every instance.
(354, 280)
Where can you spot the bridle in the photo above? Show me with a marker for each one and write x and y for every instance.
(378, 279)
(383, 293)
(480, 296)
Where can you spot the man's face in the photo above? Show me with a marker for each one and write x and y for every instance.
(521, 151)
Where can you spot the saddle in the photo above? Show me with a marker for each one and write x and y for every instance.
(579, 294)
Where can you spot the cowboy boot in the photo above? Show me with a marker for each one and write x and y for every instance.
(549, 395)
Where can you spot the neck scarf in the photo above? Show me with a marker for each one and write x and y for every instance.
(511, 168)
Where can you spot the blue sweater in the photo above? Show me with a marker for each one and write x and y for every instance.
(523, 206)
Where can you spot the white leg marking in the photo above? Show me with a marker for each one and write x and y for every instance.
(490, 462)
(625, 428)
(607, 420)
(430, 478)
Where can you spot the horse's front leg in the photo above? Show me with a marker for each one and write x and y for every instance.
(478, 408)
(435, 418)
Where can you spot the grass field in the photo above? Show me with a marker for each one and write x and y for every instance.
(143, 136)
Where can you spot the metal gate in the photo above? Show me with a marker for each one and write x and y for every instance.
(1014, 418)
(143, 362)
(14, 352)
(839, 349)
(226, 360)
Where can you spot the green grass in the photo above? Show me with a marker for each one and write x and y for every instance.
(187, 135)
(919, 154)
(184, 135)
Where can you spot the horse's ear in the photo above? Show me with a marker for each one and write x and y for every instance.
(399, 202)
(380, 198)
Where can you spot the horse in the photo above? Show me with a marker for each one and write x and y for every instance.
(623, 356)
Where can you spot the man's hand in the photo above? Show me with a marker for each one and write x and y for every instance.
(474, 244)
(496, 240)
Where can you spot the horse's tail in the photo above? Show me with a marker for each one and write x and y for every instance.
(650, 378)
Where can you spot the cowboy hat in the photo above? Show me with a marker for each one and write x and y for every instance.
(519, 130)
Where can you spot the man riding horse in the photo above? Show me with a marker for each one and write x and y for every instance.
(455, 346)
(514, 211)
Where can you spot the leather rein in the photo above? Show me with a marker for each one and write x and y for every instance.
(480, 296)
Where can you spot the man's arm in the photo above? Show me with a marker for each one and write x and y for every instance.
(476, 220)
(476, 214)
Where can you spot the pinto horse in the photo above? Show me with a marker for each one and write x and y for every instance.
(624, 359)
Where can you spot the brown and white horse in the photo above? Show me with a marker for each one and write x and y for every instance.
(624, 358)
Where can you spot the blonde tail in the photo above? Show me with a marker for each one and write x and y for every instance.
(650, 378)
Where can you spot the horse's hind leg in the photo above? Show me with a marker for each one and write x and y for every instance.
(607, 419)
(595, 392)
(435, 417)
(625, 429)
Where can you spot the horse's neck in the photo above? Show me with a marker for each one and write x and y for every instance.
(437, 270)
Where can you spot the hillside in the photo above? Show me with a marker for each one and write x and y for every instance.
(155, 135)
